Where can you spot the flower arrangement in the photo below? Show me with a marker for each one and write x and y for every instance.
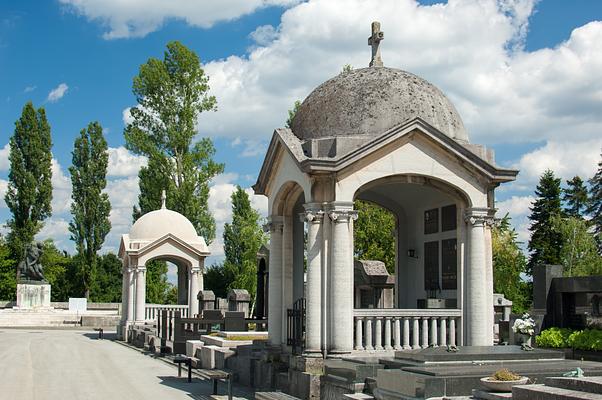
(505, 375)
(524, 325)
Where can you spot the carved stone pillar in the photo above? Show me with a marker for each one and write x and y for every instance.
(140, 293)
(193, 302)
(479, 300)
(131, 293)
(314, 305)
(275, 281)
(341, 279)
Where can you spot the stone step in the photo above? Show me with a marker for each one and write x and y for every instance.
(585, 384)
(541, 392)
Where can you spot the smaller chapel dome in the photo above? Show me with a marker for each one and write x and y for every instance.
(369, 101)
(158, 223)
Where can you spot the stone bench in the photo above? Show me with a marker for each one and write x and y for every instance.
(273, 396)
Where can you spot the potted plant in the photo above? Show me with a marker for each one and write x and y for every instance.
(524, 328)
(503, 380)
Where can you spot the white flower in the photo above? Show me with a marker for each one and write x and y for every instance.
(524, 325)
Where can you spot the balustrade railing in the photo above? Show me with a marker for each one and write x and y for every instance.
(399, 329)
(151, 311)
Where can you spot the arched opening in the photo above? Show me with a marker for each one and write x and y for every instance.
(427, 238)
(167, 280)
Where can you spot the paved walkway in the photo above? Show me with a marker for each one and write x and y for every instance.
(66, 365)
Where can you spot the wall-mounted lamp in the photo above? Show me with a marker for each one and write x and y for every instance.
(412, 253)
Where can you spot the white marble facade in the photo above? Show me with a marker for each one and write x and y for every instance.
(389, 137)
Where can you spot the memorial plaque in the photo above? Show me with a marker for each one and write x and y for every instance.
(449, 264)
(431, 266)
(448, 218)
(431, 221)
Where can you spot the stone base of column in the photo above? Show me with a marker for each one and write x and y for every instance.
(312, 353)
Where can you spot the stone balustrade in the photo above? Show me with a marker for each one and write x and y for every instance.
(151, 311)
(404, 329)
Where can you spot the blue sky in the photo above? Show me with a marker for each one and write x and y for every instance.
(525, 75)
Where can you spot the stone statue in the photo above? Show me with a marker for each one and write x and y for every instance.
(30, 268)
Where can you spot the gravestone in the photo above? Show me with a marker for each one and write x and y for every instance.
(206, 300)
(238, 300)
(373, 285)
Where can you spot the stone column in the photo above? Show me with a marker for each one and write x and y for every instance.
(275, 281)
(140, 293)
(478, 301)
(313, 302)
(341, 279)
(131, 293)
(125, 284)
(193, 302)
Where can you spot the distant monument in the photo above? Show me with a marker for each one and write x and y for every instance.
(33, 290)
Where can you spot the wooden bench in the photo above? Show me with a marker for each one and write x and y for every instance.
(217, 375)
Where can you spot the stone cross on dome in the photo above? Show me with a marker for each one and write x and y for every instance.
(374, 41)
(163, 198)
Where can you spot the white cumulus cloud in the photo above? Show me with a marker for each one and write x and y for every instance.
(124, 163)
(4, 161)
(137, 18)
(57, 93)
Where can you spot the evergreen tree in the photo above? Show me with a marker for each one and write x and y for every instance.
(171, 93)
(29, 192)
(575, 197)
(545, 241)
(373, 234)
(508, 264)
(594, 208)
(90, 207)
(242, 240)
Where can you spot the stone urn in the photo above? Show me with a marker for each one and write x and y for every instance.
(502, 386)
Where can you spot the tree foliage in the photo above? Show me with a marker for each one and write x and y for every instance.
(218, 280)
(578, 251)
(171, 93)
(575, 197)
(242, 240)
(373, 234)
(509, 263)
(8, 264)
(291, 113)
(90, 207)
(594, 208)
(108, 280)
(29, 193)
(157, 286)
(56, 265)
(545, 241)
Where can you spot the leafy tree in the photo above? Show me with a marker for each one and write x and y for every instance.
(578, 252)
(172, 294)
(242, 240)
(29, 192)
(171, 93)
(545, 241)
(594, 208)
(90, 207)
(217, 279)
(108, 283)
(575, 197)
(347, 68)
(8, 264)
(291, 113)
(157, 285)
(56, 264)
(373, 234)
(508, 264)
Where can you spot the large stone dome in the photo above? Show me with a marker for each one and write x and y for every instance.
(158, 223)
(369, 101)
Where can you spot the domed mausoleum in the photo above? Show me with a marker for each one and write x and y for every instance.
(386, 136)
(160, 235)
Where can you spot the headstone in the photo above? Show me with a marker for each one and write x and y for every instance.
(206, 300)
(78, 305)
(235, 321)
(238, 300)
(542, 280)
(373, 285)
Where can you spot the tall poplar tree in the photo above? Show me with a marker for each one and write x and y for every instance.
(29, 192)
(242, 240)
(373, 236)
(594, 208)
(575, 197)
(545, 242)
(171, 93)
(91, 206)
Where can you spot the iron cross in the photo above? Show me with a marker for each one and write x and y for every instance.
(374, 41)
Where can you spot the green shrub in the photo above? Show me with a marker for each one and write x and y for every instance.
(589, 339)
(554, 337)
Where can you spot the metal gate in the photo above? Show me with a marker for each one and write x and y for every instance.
(295, 326)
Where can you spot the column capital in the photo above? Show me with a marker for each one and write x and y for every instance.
(480, 216)
(275, 222)
(342, 215)
(312, 216)
(195, 270)
(139, 268)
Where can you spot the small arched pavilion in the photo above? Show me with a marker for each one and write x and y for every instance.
(160, 235)
(390, 137)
